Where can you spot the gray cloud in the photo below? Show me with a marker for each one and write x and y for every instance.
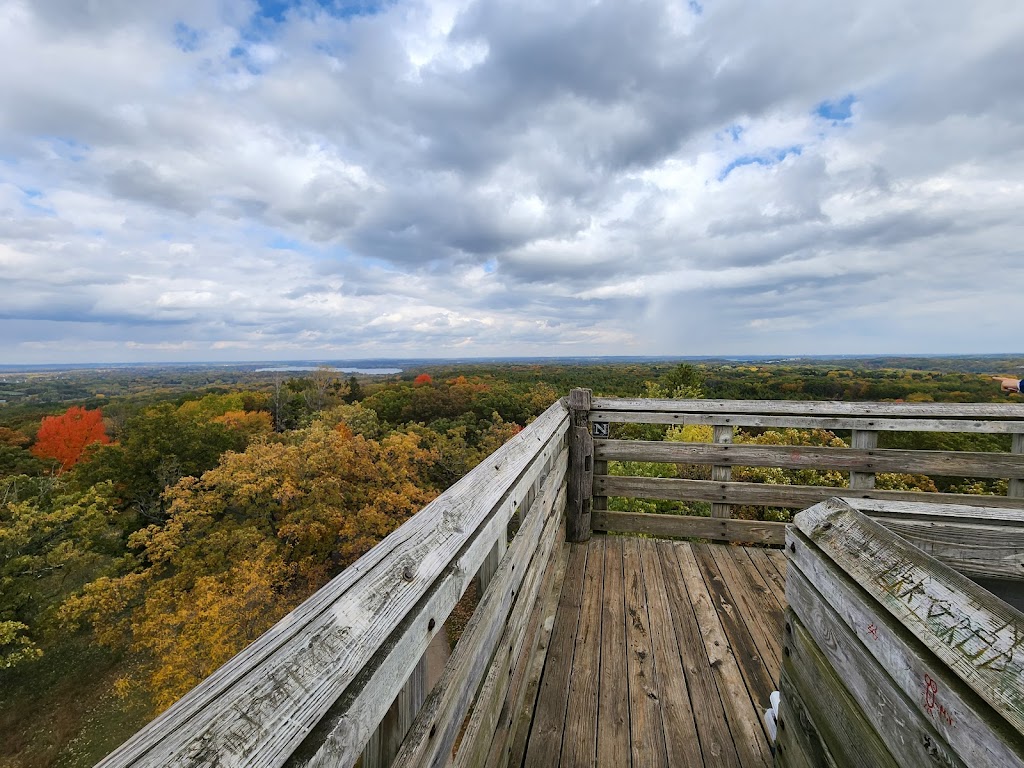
(190, 180)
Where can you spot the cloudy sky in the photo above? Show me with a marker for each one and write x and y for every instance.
(239, 180)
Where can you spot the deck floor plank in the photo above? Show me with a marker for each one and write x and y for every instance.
(662, 653)
(775, 581)
(716, 740)
(613, 746)
(647, 732)
(580, 743)
(681, 741)
(549, 717)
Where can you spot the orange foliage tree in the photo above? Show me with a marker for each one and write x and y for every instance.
(66, 436)
(422, 380)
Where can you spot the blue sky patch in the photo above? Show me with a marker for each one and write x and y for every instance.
(837, 111)
(767, 158)
(186, 38)
(277, 10)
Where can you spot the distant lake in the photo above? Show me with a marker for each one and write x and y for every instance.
(366, 371)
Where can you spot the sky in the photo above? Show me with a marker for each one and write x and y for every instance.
(237, 180)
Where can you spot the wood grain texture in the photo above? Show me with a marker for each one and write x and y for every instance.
(809, 422)
(581, 467)
(646, 727)
(744, 722)
(691, 526)
(681, 739)
(613, 744)
(978, 636)
(838, 717)
(437, 726)
(949, 463)
(545, 738)
(763, 494)
(579, 744)
(1010, 411)
(912, 734)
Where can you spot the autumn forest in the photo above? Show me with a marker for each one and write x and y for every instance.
(153, 522)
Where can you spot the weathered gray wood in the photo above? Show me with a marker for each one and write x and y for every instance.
(383, 745)
(764, 494)
(745, 724)
(839, 718)
(490, 564)
(721, 472)
(691, 526)
(581, 468)
(511, 751)
(931, 509)
(809, 422)
(646, 729)
(864, 440)
(799, 744)
(579, 742)
(613, 748)
(545, 739)
(438, 724)
(476, 741)
(1016, 486)
(949, 463)
(978, 636)
(815, 407)
(716, 742)
(262, 704)
(890, 678)
(678, 723)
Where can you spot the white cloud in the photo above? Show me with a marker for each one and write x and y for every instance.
(188, 180)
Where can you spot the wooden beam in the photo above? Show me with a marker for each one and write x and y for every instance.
(979, 637)
(810, 422)
(768, 495)
(691, 526)
(947, 463)
(849, 626)
(721, 473)
(1016, 487)
(970, 411)
(863, 440)
(581, 468)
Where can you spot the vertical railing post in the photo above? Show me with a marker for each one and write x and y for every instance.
(865, 439)
(580, 489)
(1016, 487)
(722, 473)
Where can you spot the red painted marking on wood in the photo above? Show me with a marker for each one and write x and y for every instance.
(873, 631)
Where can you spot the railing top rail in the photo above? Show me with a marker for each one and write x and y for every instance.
(995, 411)
(264, 703)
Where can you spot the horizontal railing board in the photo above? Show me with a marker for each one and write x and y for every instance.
(691, 526)
(930, 509)
(833, 605)
(768, 495)
(850, 730)
(258, 707)
(815, 408)
(979, 637)
(948, 463)
(808, 422)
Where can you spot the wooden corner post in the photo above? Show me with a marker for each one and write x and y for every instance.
(580, 489)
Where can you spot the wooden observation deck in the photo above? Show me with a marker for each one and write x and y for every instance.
(615, 638)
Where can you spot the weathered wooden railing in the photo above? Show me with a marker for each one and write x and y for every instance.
(344, 676)
(862, 462)
(314, 689)
(894, 656)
